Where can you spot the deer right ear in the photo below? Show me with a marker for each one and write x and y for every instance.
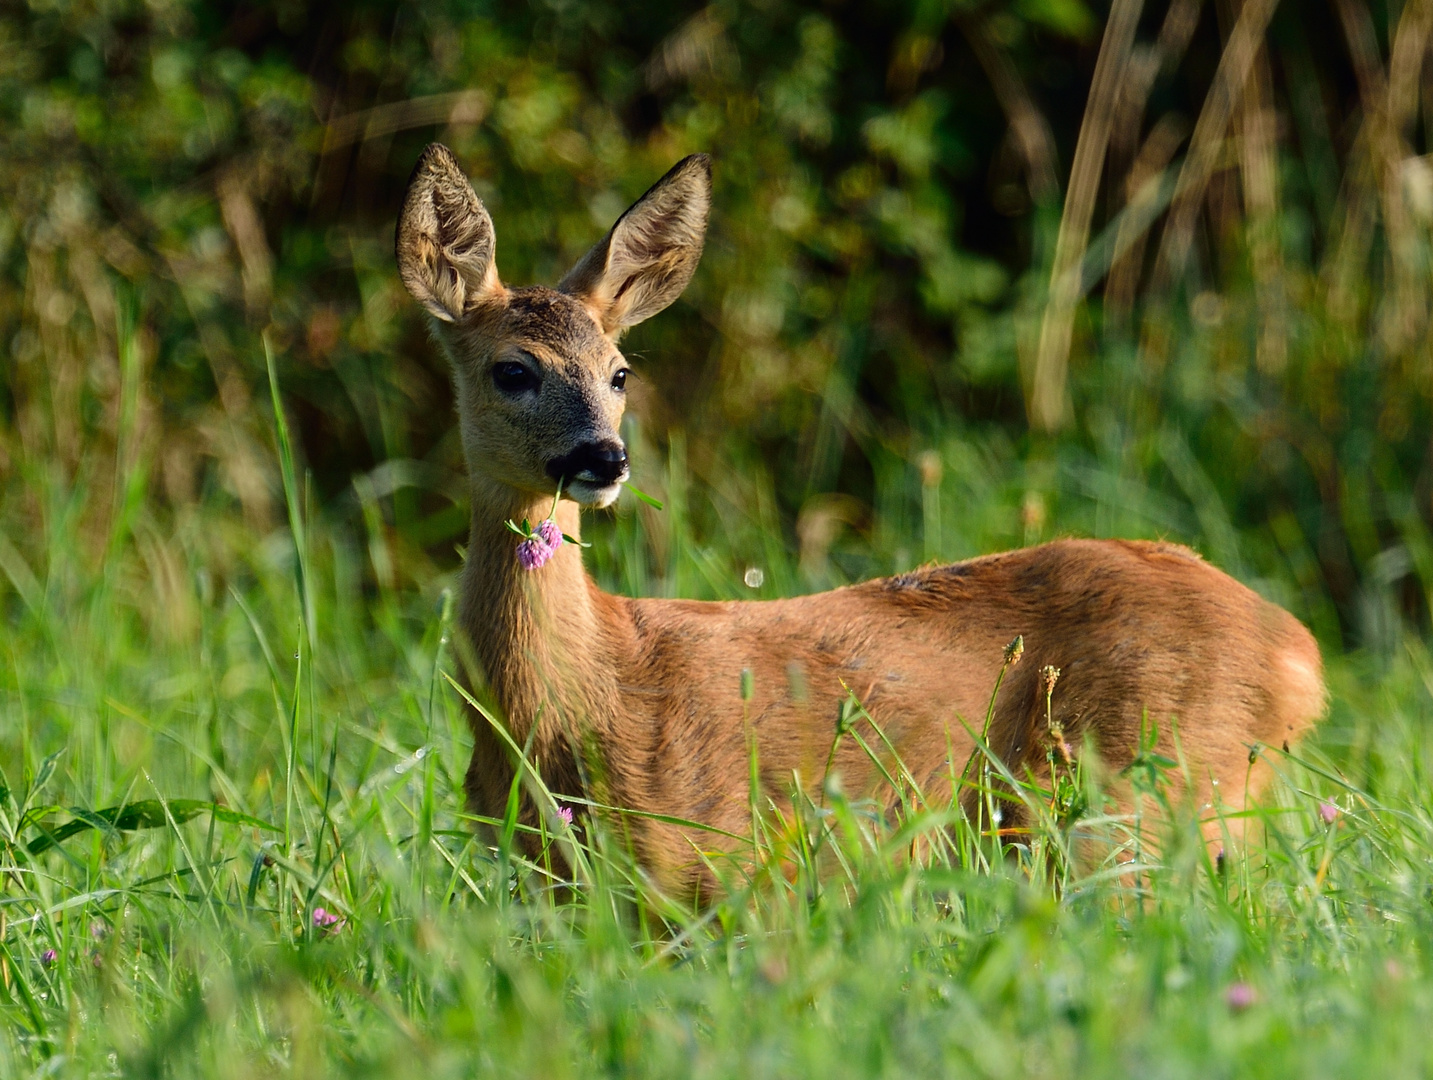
(645, 262)
(445, 240)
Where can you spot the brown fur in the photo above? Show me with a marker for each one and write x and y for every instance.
(641, 699)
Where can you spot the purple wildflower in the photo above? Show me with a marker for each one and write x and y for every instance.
(48, 957)
(1240, 996)
(1329, 811)
(538, 542)
(327, 920)
(548, 532)
(532, 553)
(565, 813)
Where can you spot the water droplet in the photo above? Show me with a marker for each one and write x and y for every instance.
(754, 577)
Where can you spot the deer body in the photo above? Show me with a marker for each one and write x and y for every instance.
(642, 699)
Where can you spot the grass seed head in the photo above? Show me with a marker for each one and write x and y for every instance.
(1014, 651)
(930, 467)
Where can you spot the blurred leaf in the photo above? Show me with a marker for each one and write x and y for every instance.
(20, 575)
(1070, 17)
(644, 497)
(146, 814)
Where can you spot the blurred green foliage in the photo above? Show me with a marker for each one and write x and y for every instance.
(857, 341)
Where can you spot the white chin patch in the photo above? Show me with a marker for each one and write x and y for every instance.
(586, 494)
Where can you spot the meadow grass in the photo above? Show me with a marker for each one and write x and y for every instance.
(201, 753)
(234, 841)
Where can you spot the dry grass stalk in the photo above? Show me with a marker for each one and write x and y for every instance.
(1206, 145)
(1257, 132)
(1028, 125)
(1362, 42)
(1389, 102)
(1409, 319)
(1368, 168)
(1048, 390)
(1142, 164)
(1405, 65)
(246, 228)
(459, 108)
(1141, 192)
(694, 47)
(1146, 64)
(1351, 233)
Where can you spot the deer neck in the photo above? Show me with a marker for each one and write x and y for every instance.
(539, 636)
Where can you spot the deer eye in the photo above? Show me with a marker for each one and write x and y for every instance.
(619, 380)
(513, 378)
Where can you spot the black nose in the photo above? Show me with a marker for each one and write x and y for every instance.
(595, 462)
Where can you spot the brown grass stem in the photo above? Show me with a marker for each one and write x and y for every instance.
(1047, 389)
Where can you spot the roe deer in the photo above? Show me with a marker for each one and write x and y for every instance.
(646, 695)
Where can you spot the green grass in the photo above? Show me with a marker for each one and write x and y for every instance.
(224, 695)
(190, 663)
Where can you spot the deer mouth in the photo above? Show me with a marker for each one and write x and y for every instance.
(592, 473)
(595, 494)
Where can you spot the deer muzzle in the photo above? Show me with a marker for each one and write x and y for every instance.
(599, 464)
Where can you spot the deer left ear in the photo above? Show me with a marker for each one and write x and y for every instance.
(645, 262)
(445, 242)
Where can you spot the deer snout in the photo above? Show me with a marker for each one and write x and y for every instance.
(601, 463)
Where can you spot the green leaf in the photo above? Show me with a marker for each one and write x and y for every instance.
(654, 503)
(289, 476)
(145, 814)
(1069, 17)
(44, 772)
(14, 567)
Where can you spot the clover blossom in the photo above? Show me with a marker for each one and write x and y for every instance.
(1240, 996)
(532, 553)
(540, 541)
(548, 532)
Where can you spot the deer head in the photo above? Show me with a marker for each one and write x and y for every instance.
(540, 380)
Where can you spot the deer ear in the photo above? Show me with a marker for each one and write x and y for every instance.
(445, 240)
(645, 262)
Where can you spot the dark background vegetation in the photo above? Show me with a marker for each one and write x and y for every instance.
(181, 179)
